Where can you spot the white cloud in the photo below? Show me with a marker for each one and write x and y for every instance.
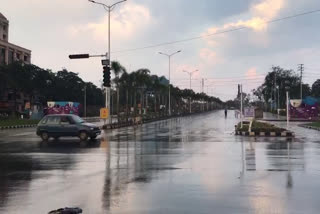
(251, 73)
(210, 57)
(129, 21)
(260, 13)
(268, 9)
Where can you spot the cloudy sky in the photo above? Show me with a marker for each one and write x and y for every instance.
(55, 29)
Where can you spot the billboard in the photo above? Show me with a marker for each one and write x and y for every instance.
(307, 108)
(62, 108)
(249, 112)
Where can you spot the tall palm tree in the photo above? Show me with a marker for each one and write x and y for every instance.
(125, 82)
(117, 69)
(143, 80)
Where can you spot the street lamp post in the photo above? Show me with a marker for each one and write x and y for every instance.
(190, 73)
(278, 104)
(85, 101)
(287, 95)
(288, 101)
(241, 106)
(202, 90)
(108, 8)
(169, 57)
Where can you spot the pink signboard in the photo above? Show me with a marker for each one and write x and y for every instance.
(62, 108)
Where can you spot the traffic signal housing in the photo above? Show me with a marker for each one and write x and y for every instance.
(79, 56)
(106, 76)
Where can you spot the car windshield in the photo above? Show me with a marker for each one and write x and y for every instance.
(77, 119)
(44, 120)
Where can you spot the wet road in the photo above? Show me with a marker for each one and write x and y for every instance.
(184, 165)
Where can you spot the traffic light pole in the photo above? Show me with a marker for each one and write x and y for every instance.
(108, 89)
(106, 78)
(108, 8)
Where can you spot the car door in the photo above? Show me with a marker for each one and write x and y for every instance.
(67, 126)
(52, 125)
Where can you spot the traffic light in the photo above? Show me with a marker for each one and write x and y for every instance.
(106, 76)
(79, 56)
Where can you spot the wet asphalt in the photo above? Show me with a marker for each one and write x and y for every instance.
(191, 164)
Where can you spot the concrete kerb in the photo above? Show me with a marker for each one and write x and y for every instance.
(266, 134)
(17, 126)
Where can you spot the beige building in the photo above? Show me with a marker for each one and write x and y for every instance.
(10, 52)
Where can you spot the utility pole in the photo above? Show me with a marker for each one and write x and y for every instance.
(190, 73)
(301, 69)
(202, 85)
(287, 95)
(208, 103)
(241, 106)
(278, 88)
(271, 106)
(275, 89)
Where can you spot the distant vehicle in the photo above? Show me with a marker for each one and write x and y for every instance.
(65, 125)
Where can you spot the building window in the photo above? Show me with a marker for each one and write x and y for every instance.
(18, 56)
(10, 96)
(4, 27)
(25, 58)
(2, 55)
(10, 57)
(4, 37)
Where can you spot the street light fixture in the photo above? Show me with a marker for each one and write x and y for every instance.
(169, 57)
(108, 8)
(190, 73)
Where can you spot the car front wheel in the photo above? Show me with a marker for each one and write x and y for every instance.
(83, 135)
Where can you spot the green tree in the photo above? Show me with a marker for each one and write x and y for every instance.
(316, 88)
(117, 69)
(276, 82)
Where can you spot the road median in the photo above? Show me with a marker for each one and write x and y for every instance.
(261, 129)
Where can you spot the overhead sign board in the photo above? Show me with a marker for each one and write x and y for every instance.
(105, 62)
(27, 105)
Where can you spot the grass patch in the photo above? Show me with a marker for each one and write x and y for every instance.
(244, 128)
(315, 124)
(259, 127)
(16, 122)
